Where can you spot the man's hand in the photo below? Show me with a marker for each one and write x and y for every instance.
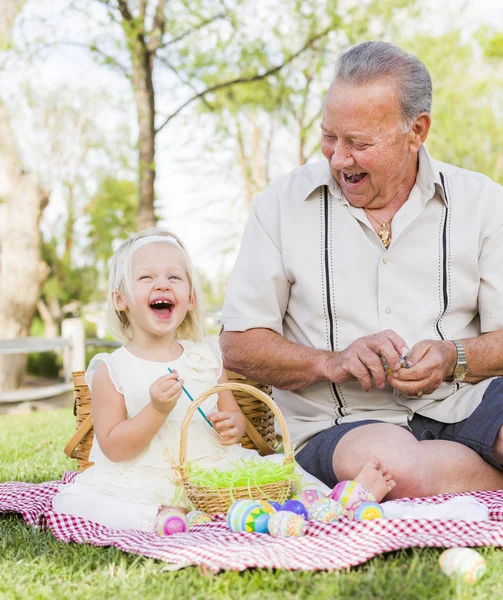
(431, 362)
(165, 391)
(226, 425)
(363, 359)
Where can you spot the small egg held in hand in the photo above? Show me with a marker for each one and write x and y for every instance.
(464, 563)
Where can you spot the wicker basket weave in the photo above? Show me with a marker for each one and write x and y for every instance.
(260, 434)
(215, 500)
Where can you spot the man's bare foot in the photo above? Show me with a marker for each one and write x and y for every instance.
(375, 478)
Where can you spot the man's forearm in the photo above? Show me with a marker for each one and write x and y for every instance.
(484, 355)
(268, 358)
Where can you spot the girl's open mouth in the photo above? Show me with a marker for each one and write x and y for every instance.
(162, 308)
(353, 178)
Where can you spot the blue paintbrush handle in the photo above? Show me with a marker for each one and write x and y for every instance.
(192, 400)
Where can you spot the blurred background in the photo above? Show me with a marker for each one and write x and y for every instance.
(117, 114)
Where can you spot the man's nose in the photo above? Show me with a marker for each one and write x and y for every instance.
(341, 157)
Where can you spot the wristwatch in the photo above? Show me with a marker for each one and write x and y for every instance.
(461, 368)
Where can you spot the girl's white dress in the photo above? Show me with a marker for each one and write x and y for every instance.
(128, 494)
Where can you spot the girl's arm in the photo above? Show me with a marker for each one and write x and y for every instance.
(229, 421)
(121, 438)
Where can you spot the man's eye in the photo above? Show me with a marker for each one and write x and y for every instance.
(330, 138)
(360, 146)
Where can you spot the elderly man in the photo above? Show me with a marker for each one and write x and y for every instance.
(369, 292)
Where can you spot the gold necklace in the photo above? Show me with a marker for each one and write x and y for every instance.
(384, 234)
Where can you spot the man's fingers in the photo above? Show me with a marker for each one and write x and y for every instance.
(373, 364)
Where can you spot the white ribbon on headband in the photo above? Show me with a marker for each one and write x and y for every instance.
(153, 238)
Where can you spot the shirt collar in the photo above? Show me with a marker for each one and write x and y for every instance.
(428, 178)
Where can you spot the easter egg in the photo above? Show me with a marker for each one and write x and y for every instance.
(170, 521)
(367, 511)
(269, 506)
(275, 505)
(249, 516)
(307, 497)
(198, 517)
(296, 507)
(462, 562)
(325, 510)
(286, 524)
(351, 494)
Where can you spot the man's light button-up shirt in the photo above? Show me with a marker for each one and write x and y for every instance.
(312, 269)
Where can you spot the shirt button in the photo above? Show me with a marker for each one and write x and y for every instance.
(402, 397)
(385, 260)
(388, 310)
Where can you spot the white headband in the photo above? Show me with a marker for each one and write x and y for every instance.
(153, 238)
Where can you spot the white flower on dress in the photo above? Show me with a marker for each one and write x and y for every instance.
(202, 363)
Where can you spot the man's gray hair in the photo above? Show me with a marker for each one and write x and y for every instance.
(370, 61)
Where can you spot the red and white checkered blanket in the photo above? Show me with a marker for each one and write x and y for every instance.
(325, 546)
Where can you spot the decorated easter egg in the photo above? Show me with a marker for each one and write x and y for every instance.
(248, 515)
(170, 521)
(367, 511)
(325, 510)
(351, 494)
(269, 507)
(296, 507)
(198, 517)
(462, 562)
(307, 497)
(286, 524)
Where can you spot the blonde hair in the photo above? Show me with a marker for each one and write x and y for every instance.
(120, 281)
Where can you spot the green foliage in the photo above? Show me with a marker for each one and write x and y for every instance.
(112, 215)
(494, 47)
(467, 129)
(66, 283)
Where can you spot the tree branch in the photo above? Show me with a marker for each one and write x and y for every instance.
(251, 79)
(158, 27)
(198, 27)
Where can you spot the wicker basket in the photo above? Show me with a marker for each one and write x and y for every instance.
(260, 434)
(211, 500)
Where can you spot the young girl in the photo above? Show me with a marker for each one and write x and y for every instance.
(138, 405)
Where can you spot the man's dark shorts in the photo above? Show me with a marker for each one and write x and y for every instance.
(478, 432)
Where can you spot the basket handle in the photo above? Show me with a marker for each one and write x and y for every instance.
(240, 387)
(78, 436)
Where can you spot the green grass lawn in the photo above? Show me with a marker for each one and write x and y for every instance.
(34, 565)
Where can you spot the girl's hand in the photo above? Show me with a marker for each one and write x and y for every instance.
(165, 391)
(225, 423)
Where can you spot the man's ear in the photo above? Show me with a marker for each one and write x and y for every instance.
(419, 132)
(118, 301)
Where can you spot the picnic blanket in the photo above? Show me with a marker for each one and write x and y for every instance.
(212, 545)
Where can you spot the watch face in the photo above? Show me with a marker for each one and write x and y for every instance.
(460, 372)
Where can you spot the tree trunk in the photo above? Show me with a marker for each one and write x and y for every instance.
(142, 65)
(22, 272)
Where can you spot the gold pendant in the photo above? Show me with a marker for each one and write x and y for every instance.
(385, 237)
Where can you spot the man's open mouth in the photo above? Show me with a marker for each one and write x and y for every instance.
(354, 178)
(162, 308)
